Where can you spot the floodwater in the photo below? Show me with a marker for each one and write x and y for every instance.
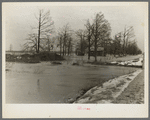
(47, 83)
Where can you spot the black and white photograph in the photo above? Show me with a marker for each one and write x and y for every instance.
(83, 55)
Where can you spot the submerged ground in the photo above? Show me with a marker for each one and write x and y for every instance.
(47, 83)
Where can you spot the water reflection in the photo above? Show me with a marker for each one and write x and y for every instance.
(38, 85)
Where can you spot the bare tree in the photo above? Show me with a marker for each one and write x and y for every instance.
(116, 46)
(45, 26)
(60, 37)
(81, 35)
(69, 45)
(128, 35)
(31, 44)
(123, 41)
(89, 31)
(98, 24)
(47, 43)
(105, 32)
(65, 33)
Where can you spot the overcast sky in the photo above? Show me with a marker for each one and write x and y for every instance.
(17, 18)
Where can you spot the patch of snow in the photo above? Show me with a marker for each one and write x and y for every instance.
(99, 90)
(137, 62)
(113, 62)
(122, 63)
(104, 101)
(83, 100)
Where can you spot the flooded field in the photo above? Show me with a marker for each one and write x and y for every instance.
(47, 83)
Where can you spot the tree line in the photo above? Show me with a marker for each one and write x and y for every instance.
(95, 34)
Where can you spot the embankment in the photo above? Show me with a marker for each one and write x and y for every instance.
(111, 90)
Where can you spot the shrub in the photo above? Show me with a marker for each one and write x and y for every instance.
(47, 56)
(35, 58)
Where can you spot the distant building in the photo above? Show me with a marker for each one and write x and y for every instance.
(100, 51)
(78, 52)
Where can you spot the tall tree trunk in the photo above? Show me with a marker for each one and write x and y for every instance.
(68, 50)
(124, 41)
(127, 45)
(69, 46)
(81, 45)
(89, 53)
(65, 43)
(60, 46)
(48, 50)
(96, 42)
(39, 32)
(64, 47)
(48, 45)
(95, 49)
(105, 48)
(36, 45)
